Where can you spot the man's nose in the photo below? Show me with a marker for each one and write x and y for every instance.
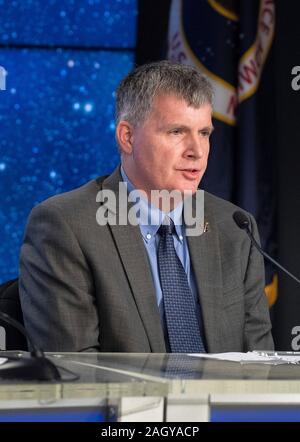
(195, 148)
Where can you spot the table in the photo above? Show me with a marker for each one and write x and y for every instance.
(131, 387)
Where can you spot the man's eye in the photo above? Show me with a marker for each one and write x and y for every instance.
(205, 134)
(176, 131)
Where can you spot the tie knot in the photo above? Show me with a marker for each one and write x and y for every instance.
(167, 227)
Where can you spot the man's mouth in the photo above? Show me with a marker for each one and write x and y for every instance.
(190, 173)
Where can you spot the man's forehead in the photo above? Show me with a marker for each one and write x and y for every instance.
(170, 106)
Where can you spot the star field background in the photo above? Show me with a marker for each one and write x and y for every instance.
(64, 60)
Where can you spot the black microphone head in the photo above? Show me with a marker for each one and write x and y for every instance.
(241, 220)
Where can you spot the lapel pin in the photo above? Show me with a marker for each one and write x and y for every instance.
(206, 227)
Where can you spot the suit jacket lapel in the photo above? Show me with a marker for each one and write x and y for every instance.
(206, 261)
(132, 252)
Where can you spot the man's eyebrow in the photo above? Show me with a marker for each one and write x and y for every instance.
(184, 126)
(170, 126)
(208, 128)
(177, 125)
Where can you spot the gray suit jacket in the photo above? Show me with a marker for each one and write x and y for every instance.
(89, 287)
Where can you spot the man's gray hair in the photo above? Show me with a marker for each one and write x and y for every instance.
(137, 90)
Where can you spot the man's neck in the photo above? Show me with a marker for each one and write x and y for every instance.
(164, 200)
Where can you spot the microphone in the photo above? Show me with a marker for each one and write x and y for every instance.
(243, 223)
(32, 367)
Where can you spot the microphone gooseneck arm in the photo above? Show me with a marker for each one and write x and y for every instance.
(16, 324)
(242, 222)
(36, 367)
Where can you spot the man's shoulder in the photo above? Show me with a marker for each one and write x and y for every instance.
(75, 201)
(219, 204)
(78, 194)
(221, 210)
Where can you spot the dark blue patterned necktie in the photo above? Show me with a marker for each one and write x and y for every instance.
(179, 303)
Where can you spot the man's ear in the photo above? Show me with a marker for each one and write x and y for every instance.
(124, 136)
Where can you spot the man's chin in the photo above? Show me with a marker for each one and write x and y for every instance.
(168, 198)
(189, 188)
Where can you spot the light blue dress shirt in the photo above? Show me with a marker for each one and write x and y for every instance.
(151, 240)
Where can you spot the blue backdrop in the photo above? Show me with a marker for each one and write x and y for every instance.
(64, 60)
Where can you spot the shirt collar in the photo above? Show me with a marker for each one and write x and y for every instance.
(151, 217)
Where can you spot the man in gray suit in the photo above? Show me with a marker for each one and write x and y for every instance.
(87, 285)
